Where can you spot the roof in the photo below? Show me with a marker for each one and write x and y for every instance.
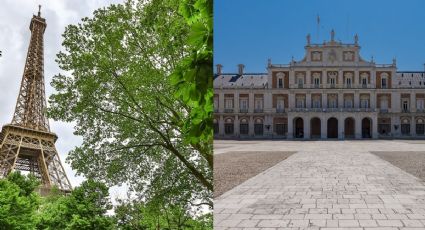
(248, 80)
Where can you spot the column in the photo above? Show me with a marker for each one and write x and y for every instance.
(324, 127)
(308, 79)
(340, 78)
(340, 100)
(324, 100)
(251, 126)
(373, 78)
(291, 100)
(251, 102)
(340, 127)
(291, 78)
(395, 102)
(290, 126)
(395, 121)
(372, 100)
(236, 126)
(358, 124)
(356, 99)
(268, 101)
(413, 126)
(375, 126)
(236, 102)
(412, 102)
(356, 79)
(306, 127)
(221, 126)
(221, 102)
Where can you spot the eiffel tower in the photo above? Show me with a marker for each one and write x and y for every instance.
(27, 144)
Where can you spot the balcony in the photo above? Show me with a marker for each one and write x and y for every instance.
(405, 111)
(228, 110)
(258, 110)
(243, 110)
(280, 110)
(383, 110)
(331, 86)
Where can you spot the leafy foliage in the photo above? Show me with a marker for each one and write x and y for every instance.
(138, 215)
(139, 126)
(84, 208)
(18, 202)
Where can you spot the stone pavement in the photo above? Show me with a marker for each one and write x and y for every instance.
(325, 185)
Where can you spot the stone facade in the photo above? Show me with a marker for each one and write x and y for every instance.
(331, 93)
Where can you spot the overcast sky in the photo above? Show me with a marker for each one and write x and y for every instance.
(15, 17)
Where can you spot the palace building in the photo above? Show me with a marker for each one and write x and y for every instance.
(331, 93)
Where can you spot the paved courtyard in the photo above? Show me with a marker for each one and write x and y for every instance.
(325, 185)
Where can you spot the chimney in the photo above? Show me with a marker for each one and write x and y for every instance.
(219, 67)
(240, 69)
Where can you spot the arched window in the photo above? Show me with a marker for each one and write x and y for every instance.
(228, 126)
(258, 127)
(244, 127)
(384, 80)
(280, 82)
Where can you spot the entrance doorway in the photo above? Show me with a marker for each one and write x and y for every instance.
(349, 128)
(299, 128)
(332, 127)
(315, 126)
(366, 128)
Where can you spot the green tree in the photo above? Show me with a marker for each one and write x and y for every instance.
(18, 202)
(84, 208)
(139, 216)
(137, 127)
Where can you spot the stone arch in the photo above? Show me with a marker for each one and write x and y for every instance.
(420, 126)
(405, 126)
(258, 126)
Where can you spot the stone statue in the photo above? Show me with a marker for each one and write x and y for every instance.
(332, 35)
(356, 39)
(308, 39)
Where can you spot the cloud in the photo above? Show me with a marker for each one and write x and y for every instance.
(15, 17)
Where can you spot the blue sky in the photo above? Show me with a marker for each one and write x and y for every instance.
(251, 31)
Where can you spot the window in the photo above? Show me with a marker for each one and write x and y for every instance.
(316, 103)
(332, 103)
(244, 129)
(420, 127)
(300, 82)
(405, 106)
(384, 104)
(348, 82)
(300, 103)
(405, 127)
(364, 82)
(316, 82)
(280, 83)
(332, 81)
(259, 103)
(384, 83)
(216, 127)
(215, 103)
(280, 104)
(229, 103)
(244, 104)
(228, 128)
(348, 103)
(281, 129)
(420, 104)
(258, 127)
(364, 103)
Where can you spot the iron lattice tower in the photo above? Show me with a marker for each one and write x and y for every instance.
(27, 143)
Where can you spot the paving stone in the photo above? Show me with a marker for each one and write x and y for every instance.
(325, 185)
